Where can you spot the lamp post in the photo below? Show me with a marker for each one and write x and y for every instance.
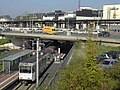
(68, 33)
(37, 61)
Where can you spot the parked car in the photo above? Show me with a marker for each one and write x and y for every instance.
(101, 57)
(115, 54)
(95, 32)
(108, 63)
(104, 33)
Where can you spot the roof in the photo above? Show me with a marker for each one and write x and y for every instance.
(44, 53)
(17, 55)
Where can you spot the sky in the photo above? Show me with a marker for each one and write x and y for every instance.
(20, 7)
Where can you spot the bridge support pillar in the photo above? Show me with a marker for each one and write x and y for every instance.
(17, 42)
(23, 44)
(77, 26)
(63, 26)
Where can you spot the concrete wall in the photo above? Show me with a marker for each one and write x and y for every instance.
(18, 42)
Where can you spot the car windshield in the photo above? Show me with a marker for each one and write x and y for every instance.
(25, 69)
(106, 62)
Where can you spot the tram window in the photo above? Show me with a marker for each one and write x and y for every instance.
(33, 69)
(25, 69)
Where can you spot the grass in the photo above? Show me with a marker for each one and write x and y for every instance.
(107, 48)
(4, 41)
(0, 66)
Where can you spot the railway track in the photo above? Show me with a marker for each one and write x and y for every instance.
(21, 86)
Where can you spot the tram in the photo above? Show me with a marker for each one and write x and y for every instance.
(27, 68)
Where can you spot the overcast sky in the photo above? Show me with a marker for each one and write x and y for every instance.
(19, 7)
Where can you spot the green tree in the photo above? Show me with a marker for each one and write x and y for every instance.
(114, 73)
(4, 41)
(83, 73)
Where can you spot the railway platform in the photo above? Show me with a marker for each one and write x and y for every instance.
(7, 79)
(10, 68)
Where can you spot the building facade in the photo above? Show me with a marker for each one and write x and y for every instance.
(111, 11)
(87, 13)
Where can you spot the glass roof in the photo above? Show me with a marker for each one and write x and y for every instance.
(17, 55)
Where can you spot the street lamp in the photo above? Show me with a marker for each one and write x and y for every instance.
(37, 61)
(67, 16)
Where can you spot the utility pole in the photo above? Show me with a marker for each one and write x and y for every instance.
(37, 62)
(68, 22)
(78, 5)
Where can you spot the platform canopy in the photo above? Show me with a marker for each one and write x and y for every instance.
(17, 55)
(12, 61)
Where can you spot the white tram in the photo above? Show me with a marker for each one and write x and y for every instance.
(27, 68)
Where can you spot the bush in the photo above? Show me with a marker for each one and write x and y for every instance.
(4, 41)
(82, 73)
(114, 74)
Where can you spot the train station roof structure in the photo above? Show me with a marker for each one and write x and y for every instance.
(17, 55)
(12, 62)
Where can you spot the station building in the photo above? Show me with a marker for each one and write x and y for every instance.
(87, 13)
(60, 15)
(111, 11)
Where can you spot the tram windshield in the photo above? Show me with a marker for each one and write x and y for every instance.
(25, 69)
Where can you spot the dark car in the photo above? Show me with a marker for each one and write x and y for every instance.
(115, 54)
(101, 57)
(104, 33)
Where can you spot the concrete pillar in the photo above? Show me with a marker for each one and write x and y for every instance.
(58, 50)
(23, 44)
(55, 24)
(63, 25)
(77, 26)
(3, 66)
(27, 24)
(9, 67)
(84, 26)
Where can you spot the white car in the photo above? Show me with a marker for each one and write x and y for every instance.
(108, 63)
(95, 32)
(82, 32)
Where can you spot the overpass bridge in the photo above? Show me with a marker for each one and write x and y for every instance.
(105, 21)
(21, 35)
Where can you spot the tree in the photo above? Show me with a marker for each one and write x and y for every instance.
(114, 73)
(82, 73)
